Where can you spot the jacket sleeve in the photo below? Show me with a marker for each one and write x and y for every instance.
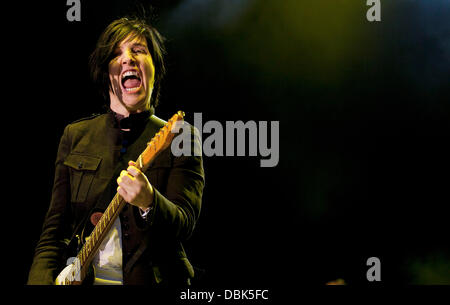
(48, 252)
(175, 213)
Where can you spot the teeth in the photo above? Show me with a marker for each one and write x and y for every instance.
(130, 73)
(131, 89)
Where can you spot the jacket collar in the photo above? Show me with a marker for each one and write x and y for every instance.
(133, 121)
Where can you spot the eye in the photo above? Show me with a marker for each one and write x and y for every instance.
(140, 51)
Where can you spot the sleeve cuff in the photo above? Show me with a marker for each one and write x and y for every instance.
(144, 213)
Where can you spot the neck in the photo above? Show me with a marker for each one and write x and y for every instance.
(121, 108)
(125, 112)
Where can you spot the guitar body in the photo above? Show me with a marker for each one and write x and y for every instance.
(71, 275)
(71, 271)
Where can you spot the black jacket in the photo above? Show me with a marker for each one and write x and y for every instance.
(89, 152)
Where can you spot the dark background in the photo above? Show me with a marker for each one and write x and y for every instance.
(363, 110)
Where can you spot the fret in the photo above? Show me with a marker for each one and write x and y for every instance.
(99, 231)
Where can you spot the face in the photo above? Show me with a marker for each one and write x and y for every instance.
(132, 74)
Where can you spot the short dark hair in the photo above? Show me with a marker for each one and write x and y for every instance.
(115, 33)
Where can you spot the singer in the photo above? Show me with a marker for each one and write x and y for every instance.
(145, 244)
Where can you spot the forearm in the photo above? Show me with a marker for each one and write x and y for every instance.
(176, 209)
(177, 201)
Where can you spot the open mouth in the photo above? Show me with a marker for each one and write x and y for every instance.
(131, 81)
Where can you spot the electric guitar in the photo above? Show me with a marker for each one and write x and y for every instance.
(77, 267)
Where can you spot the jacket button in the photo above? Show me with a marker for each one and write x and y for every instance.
(126, 226)
(126, 236)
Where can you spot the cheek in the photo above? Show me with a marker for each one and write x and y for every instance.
(114, 70)
(150, 73)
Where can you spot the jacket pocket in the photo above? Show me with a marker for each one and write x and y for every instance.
(82, 169)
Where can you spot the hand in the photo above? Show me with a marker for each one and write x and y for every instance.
(134, 187)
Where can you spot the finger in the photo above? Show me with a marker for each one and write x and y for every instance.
(128, 183)
(127, 193)
(122, 192)
(124, 173)
(134, 171)
(124, 176)
(133, 164)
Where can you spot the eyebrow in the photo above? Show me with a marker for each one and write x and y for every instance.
(137, 44)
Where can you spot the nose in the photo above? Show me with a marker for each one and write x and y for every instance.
(128, 58)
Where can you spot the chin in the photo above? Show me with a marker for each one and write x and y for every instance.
(135, 104)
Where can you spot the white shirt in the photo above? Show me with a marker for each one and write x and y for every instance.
(108, 261)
